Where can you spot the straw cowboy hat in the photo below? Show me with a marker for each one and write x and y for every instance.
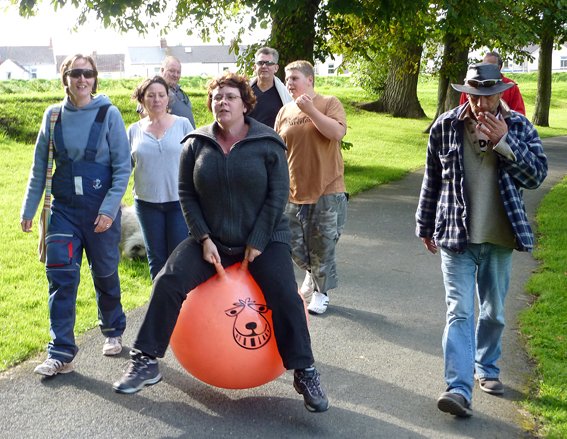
(483, 79)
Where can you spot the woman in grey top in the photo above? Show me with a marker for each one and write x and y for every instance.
(155, 142)
(233, 188)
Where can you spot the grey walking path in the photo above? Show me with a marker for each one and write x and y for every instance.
(378, 348)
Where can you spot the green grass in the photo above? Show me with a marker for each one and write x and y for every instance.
(544, 324)
(384, 149)
(23, 286)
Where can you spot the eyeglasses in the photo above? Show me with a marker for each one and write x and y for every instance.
(484, 83)
(76, 73)
(265, 63)
(229, 97)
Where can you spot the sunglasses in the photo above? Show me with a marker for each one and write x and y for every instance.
(484, 83)
(265, 63)
(76, 73)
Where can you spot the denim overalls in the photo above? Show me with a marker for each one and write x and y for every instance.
(78, 189)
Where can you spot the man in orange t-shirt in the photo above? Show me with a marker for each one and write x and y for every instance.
(312, 127)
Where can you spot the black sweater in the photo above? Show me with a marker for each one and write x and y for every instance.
(239, 198)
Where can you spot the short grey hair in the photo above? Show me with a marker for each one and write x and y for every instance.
(268, 51)
(168, 59)
(497, 56)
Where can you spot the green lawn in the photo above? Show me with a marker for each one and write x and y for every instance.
(384, 149)
(544, 324)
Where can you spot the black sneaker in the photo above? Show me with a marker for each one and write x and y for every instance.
(142, 371)
(455, 404)
(307, 383)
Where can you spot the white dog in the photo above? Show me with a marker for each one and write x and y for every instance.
(131, 241)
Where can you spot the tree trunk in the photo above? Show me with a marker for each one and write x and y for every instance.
(400, 91)
(453, 69)
(543, 97)
(286, 29)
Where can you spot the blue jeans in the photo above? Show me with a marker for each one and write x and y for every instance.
(163, 228)
(484, 269)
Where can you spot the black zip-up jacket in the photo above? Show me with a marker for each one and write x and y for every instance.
(239, 198)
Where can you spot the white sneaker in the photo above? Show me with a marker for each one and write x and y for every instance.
(51, 367)
(308, 286)
(318, 304)
(112, 346)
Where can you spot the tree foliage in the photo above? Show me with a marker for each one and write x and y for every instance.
(546, 20)
(298, 27)
(462, 27)
(382, 39)
(300, 18)
(383, 43)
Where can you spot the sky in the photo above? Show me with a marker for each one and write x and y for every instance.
(57, 26)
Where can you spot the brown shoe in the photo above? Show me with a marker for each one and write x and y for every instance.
(491, 385)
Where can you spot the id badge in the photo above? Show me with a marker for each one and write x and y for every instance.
(78, 185)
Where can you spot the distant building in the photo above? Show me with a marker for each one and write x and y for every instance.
(31, 62)
(27, 62)
(12, 70)
(205, 60)
(111, 66)
(558, 60)
(144, 62)
(332, 66)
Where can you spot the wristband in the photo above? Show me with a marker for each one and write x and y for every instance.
(202, 240)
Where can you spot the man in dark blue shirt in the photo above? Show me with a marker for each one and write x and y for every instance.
(270, 92)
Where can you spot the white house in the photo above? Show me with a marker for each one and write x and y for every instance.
(12, 70)
(144, 62)
(196, 60)
(30, 62)
(27, 62)
(330, 67)
(558, 61)
(204, 60)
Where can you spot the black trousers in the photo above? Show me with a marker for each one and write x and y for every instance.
(185, 269)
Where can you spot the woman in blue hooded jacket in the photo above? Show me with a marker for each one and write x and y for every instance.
(92, 169)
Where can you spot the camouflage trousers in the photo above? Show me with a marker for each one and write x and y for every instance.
(315, 231)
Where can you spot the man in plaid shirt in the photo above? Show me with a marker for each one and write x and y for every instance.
(480, 157)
